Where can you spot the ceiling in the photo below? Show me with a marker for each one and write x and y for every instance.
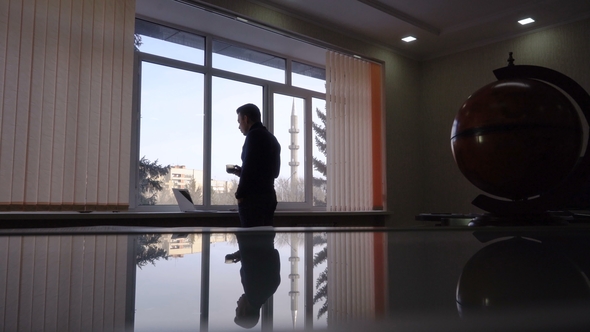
(440, 26)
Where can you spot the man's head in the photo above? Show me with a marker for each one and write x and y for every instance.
(246, 315)
(248, 115)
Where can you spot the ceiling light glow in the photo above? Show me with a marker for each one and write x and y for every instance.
(409, 39)
(526, 21)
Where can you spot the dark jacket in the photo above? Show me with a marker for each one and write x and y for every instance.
(261, 162)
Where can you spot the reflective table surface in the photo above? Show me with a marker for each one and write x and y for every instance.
(342, 279)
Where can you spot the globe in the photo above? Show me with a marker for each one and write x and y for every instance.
(516, 138)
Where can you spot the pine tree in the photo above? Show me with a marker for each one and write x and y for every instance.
(150, 184)
(320, 165)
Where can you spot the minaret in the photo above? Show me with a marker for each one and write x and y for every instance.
(294, 276)
(294, 147)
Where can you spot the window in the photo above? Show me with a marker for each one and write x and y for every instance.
(187, 123)
(171, 130)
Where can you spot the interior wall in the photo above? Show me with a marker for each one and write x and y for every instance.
(402, 83)
(449, 80)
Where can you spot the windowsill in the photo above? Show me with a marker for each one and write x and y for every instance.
(225, 218)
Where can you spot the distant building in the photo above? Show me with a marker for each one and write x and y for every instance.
(180, 177)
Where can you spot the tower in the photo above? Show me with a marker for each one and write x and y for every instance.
(294, 147)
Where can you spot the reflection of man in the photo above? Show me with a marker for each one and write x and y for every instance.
(260, 275)
(257, 199)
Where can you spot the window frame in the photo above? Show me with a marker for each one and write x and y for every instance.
(269, 88)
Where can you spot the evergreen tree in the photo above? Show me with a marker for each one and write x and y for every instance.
(320, 165)
(150, 184)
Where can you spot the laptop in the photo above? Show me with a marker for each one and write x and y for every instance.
(185, 202)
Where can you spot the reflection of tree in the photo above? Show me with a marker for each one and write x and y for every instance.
(321, 283)
(149, 180)
(319, 183)
(137, 42)
(147, 250)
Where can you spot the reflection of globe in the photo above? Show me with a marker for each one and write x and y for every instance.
(514, 273)
(516, 138)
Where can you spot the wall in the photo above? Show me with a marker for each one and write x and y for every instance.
(449, 80)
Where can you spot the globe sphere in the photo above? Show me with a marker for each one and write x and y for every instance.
(516, 138)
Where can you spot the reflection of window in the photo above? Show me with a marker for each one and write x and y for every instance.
(187, 116)
(308, 77)
(168, 42)
(245, 61)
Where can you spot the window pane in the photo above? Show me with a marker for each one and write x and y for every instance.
(248, 62)
(289, 130)
(226, 138)
(171, 131)
(308, 77)
(318, 116)
(168, 42)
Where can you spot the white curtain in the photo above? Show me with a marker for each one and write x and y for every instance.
(348, 113)
(66, 71)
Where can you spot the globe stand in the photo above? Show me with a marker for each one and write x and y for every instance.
(536, 211)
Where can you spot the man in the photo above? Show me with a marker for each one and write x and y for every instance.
(261, 163)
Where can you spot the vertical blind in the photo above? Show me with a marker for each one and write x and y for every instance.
(65, 104)
(349, 137)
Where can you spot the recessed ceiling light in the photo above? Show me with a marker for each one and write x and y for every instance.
(526, 21)
(409, 39)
